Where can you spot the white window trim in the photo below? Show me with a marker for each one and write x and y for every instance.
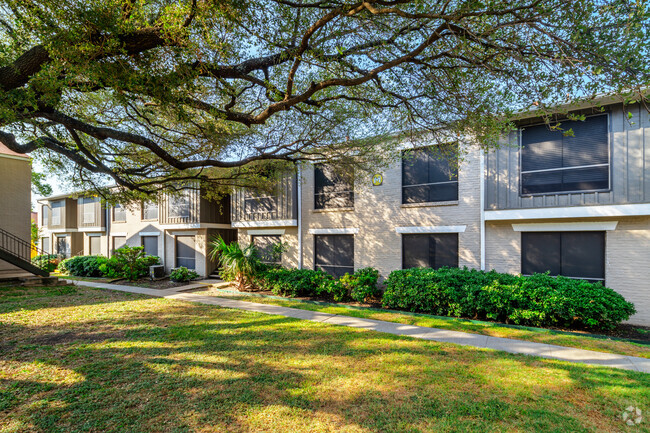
(269, 232)
(271, 223)
(338, 231)
(430, 229)
(149, 234)
(583, 226)
(118, 234)
(569, 212)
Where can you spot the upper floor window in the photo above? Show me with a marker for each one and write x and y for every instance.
(57, 211)
(119, 213)
(45, 215)
(259, 203)
(430, 174)
(149, 211)
(552, 162)
(331, 190)
(179, 206)
(88, 209)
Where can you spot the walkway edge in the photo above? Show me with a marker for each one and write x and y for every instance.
(509, 345)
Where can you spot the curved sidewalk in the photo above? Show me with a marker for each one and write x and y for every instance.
(442, 335)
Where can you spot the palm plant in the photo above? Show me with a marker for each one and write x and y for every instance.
(236, 264)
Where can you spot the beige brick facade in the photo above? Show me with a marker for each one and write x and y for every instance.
(627, 256)
(15, 197)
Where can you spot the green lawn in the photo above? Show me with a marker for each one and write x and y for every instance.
(79, 359)
(581, 341)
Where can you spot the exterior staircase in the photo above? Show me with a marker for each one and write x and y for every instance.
(18, 252)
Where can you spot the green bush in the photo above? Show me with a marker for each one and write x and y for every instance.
(538, 300)
(47, 262)
(128, 262)
(83, 266)
(360, 286)
(182, 274)
(293, 282)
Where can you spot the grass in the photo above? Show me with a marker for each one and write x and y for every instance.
(577, 340)
(74, 359)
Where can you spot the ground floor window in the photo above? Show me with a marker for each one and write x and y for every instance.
(118, 242)
(95, 245)
(185, 252)
(45, 245)
(62, 246)
(334, 254)
(266, 248)
(430, 250)
(150, 244)
(571, 254)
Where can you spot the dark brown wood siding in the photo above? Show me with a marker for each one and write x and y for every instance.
(284, 202)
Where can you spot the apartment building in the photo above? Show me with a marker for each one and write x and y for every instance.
(177, 228)
(575, 205)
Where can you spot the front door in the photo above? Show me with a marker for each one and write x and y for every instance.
(62, 246)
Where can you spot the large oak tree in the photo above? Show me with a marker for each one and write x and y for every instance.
(154, 92)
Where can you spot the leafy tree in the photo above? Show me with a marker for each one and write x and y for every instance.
(39, 186)
(34, 235)
(155, 93)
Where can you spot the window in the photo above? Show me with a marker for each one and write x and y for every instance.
(119, 213)
(88, 209)
(179, 206)
(330, 189)
(149, 211)
(428, 174)
(552, 163)
(335, 254)
(62, 246)
(57, 210)
(95, 245)
(45, 245)
(260, 204)
(571, 254)
(430, 250)
(185, 252)
(150, 244)
(118, 242)
(45, 215)
(265, 245)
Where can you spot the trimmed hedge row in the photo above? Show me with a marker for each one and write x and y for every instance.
(537, 300)
(360, 286)
(127, 262)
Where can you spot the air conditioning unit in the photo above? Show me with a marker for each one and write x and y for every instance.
(157, 272)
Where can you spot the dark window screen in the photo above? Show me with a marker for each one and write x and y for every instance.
(430, 174)
(118, 242)
(265, 206)
(552, 162)
(430, 250)
(571, 254)
(185, 252)
(335, 254)
(150, 244)
(45, 245)
(330, 189)
(264, 245)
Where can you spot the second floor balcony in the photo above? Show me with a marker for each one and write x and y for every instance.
(277, 207)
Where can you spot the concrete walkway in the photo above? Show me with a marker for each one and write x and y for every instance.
(442, 335)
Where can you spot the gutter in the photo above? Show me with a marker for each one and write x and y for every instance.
(299, 199)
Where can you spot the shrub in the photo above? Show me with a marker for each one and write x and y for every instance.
(182, 274)
(237, 264)
(359, 286)
(128, 262)
(538, 300)
(48, 262)
(83, 266)
(293, 282)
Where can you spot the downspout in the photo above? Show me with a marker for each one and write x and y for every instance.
(299, 199)
(482, 210)
(108, 231)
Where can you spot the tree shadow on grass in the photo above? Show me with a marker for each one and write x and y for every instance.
(172, 366)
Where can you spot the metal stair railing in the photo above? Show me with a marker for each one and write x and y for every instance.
(19, 248)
